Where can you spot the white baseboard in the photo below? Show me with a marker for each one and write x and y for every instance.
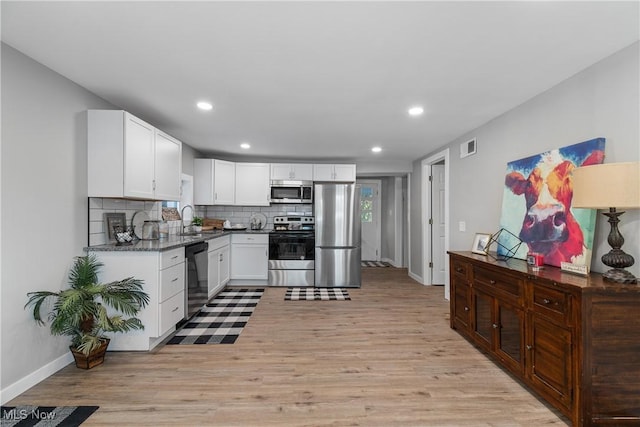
(247, 283)
(416, 278)
(34, 378)
(392, 262)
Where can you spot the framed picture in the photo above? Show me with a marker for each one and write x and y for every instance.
(480, 243)
(111, 220)
(536, 205)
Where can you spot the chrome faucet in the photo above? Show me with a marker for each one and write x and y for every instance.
(182, 227)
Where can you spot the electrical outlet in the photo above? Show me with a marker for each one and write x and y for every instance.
(462, 226)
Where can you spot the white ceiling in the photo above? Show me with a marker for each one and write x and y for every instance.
(319, 80)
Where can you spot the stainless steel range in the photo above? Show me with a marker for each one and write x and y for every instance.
(292, 251)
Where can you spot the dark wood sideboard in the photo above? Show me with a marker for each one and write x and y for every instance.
(573, 340)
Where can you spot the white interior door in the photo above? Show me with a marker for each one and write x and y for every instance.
(437, 224)
(370, 218)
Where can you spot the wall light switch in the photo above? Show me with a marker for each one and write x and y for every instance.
(462, 226)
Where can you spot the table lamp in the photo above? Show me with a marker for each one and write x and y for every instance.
(610, 186)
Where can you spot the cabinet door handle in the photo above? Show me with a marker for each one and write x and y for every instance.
(175, 280)
(495, 326)
(459, 270)
(466, 309)
(175, 309)
(493, 282)
(529, 347)
(174, 257)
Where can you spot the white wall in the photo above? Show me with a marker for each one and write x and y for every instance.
(44, 203)
(44, 218)
(188, 154)
(601, 101)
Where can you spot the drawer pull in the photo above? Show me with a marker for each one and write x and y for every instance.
(175, 256)
(175, 280)
(493, 282)
(547, 301)
(175, 309)
(466, 309)
(459, 270)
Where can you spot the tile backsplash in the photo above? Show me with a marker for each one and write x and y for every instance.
(99, 206)
(235, 214)
(242, 214)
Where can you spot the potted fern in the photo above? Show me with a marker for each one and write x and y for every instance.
(81, 310)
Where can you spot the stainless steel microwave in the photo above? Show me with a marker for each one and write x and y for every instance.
(291, 192)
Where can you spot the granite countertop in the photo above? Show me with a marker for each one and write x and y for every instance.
(172, 242)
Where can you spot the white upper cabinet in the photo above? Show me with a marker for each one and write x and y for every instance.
(168, 172)
(129, 158)
(213, 182)
(139, 165)
(334, 172)
(292, 171)
(252, 184)
(224, 180)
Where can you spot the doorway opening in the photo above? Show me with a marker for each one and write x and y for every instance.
(370, 219)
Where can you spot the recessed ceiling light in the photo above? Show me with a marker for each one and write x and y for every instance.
(245, 145)
(203, 105)
(416, 111)
(376, 149)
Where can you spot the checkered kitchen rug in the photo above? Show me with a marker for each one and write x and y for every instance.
(221, 320)
(310, 294)
(375, 264)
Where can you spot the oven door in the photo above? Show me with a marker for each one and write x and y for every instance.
(292, 258)
(291, 246)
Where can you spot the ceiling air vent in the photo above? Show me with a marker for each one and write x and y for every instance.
(468, 148)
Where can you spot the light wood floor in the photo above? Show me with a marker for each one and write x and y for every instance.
(385, 358)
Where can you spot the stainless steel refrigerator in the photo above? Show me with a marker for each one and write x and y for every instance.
(337, 216)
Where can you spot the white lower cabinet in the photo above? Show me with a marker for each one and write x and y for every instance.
(163, 275)
(249, 256)
(171, 312)
(219, 262)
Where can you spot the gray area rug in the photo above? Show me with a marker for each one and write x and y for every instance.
(44, 416)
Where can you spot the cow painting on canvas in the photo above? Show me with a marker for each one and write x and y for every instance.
(537, 204)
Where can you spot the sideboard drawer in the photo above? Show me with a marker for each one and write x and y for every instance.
(460, 268)
(504, 284)
(553, 303)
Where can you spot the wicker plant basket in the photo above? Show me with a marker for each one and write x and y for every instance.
(94, 358)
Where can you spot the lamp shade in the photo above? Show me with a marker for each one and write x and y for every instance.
(609, 185)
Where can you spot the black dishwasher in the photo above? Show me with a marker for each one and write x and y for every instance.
(197, 282)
